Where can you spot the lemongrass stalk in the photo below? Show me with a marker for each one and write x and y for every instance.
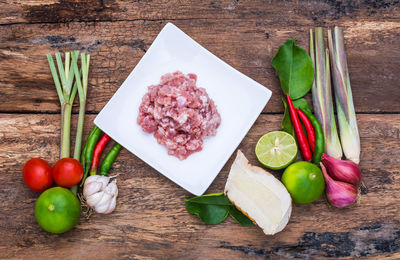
(61, 71)
(322, 96)
(55, 78)
(67, 64)
(58, 88)
(66, 131)
(349, 135)
(82, 91)
(316, 106)
(68, 76)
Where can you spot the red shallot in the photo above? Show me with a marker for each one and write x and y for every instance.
(339, 194)
(342, 170)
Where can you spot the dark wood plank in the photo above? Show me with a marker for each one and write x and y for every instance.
(151, 222)
(50, 11)
(248, 43)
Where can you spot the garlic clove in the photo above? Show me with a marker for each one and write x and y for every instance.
(112, 191)
(92, 178)
(339, 194)
(112, 188)
(103, 205)
(91, 188)
(95, 198)
(112, 205)
(104, 180)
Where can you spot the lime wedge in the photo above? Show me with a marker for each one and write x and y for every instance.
(276, 150)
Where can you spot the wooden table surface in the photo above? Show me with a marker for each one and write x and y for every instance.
(151, 220)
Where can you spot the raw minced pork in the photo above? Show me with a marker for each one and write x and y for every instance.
(179, 114)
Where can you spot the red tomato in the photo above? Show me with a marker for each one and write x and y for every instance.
(37, 174)
(67, 172)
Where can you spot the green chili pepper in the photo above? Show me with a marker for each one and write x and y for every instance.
(88, 150)
(83, 154)
(319, 136)
(109, 159)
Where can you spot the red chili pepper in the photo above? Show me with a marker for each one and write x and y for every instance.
(309, 128)
(298, 129)
(101, 144)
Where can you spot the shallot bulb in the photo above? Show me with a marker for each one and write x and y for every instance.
(339, 194)
(100, 193)
(342, 170)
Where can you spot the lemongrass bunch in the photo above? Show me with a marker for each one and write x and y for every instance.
(66, 93)
(349, 135)
(322, 94)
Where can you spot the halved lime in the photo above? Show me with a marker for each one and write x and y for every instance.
(276, 150)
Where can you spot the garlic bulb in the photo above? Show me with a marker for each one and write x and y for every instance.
(100, 193)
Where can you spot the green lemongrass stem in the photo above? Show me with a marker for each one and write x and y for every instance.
(74, 189)
(347, 120)
(61, 71)
(322, 97)
(64, 78)
(69, 100)
(66, 131)
(67, 64)
(58, 88)
(82, 91)
(314, 90)
(55, 78)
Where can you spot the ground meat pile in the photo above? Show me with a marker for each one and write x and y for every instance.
(179, 114)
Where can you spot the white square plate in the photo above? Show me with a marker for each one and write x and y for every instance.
(238, 98)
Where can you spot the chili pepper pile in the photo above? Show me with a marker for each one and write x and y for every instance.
(319, 142)
(94, 146)
(312, 144)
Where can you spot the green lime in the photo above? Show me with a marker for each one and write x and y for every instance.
(57, 210)
(304, 181)
(276, 150)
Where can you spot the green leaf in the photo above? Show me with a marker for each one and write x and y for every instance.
(240, 218)
(215, 198)
(208, 213)
(210, 208)
(286, 122)
(294, 68)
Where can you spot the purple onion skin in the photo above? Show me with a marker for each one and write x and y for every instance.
(339, 194)
(342, 170)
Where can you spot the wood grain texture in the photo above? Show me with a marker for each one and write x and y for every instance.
(55, 11)
(151, 221)
(246, 36)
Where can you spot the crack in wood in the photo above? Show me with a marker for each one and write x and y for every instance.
(370, 240)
